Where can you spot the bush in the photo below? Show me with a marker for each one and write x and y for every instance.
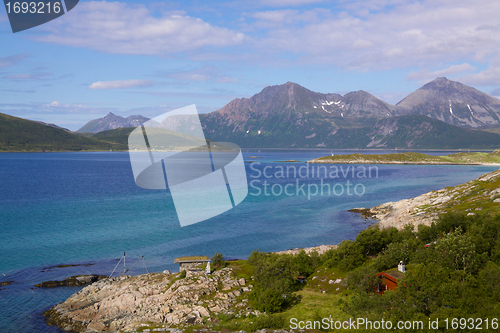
(347, 256)
(274, 321)
(374, 240)
(275, 279)
(268, 300)
(218, 261)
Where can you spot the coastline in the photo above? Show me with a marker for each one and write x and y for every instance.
(315, 161)
(161, 301)
(481, 195)
(165, 300)
(413, 158)
(288, 250)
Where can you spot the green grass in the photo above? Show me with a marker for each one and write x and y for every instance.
(315, 304)
(191, 258)
(118, 135)
(241, 268)
(409, 157)
(319, 298)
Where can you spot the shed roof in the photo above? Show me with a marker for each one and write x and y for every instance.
(191, 259)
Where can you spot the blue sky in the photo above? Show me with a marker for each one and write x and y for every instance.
(150, 57)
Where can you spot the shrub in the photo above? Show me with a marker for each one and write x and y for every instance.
(347, 256)
(218, 261)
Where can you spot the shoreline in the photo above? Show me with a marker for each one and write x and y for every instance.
(399, 163)
(477, 196)
(413, 158)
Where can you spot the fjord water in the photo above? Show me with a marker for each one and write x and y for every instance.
(84, 210)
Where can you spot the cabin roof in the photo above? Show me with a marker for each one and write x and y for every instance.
(395, 273)
(392, 274)
(191, 259)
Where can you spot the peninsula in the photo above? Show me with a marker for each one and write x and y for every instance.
(481, 195)
(476, 158)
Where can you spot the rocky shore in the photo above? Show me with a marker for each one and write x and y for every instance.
(158, 300)
(77, 280)
(481, 194)
(320, 249)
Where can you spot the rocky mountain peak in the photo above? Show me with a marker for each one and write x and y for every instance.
(454, 103)
(112, 121)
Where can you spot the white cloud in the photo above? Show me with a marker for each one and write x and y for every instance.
(280, 16)
(380, 34)
(36, 76)
(288, 3)
(207, 73)
(12, 60)
(71, 116)
(121, 84)
(424, 76)
(489, 77)
(194, 77)
(116, 27)
(3, 16)
(226, 79)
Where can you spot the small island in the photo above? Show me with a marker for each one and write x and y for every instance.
(477, 158)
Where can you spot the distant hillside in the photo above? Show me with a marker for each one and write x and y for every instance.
(426, 133)
(172, 140)
(292, 116)
(118, 135)
(417, 132)
(454, 103)
(51, 125)
(112, 121)
(17, 134)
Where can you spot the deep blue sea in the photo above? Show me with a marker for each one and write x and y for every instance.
(85, 209)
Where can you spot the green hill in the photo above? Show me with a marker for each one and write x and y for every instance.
(118, 135)
(17, 134)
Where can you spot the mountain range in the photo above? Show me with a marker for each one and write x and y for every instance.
(111, 121)
(442, 114)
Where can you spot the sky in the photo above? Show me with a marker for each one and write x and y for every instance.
(149, 57)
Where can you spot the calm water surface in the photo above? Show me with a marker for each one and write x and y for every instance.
(84, 208)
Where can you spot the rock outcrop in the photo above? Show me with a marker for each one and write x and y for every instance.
(125, 303)
(481, 194)
(77, 280)
(320, 249)
(5, 283)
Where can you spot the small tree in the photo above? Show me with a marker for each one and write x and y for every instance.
(218, 261)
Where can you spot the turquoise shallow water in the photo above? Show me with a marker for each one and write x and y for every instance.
(84, 208)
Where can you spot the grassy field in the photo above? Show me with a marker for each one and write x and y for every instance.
(320, 296)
